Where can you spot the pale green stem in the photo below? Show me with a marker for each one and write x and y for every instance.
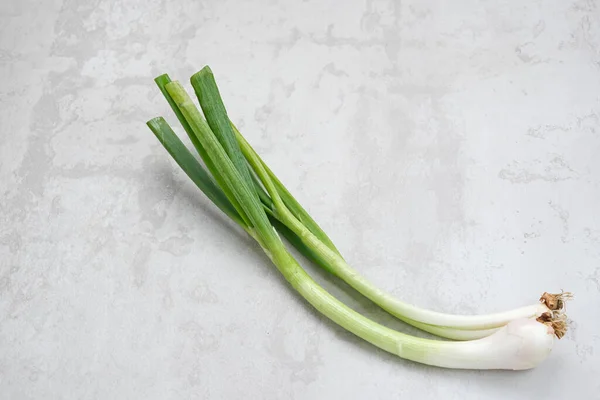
(338, 266)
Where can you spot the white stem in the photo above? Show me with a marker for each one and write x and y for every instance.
(452, 333)
(402, 310)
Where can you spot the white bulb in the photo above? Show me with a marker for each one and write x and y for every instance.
(521, 344)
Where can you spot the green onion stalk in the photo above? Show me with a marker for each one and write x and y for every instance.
(452, 326)
(241, 185)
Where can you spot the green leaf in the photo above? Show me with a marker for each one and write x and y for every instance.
(162, 82)
(214, 110)
(192, 167)
(241, 189)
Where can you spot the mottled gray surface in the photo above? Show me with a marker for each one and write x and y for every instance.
(451, 149)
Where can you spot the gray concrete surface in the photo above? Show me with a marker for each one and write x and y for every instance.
(449, 148)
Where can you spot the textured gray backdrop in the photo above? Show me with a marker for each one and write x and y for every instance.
(450, 149)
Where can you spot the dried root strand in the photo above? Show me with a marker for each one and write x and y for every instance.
(555, 301)
(555, 320)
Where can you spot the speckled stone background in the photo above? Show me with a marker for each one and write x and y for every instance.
(451, 149)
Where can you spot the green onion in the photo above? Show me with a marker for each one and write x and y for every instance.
(519, 343)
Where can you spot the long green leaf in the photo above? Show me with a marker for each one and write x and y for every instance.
(196, 172)
(161, 82)
(192, 167)
(206, 89)
(241, 189)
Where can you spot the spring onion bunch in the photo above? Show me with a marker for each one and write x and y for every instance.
(239, 182)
